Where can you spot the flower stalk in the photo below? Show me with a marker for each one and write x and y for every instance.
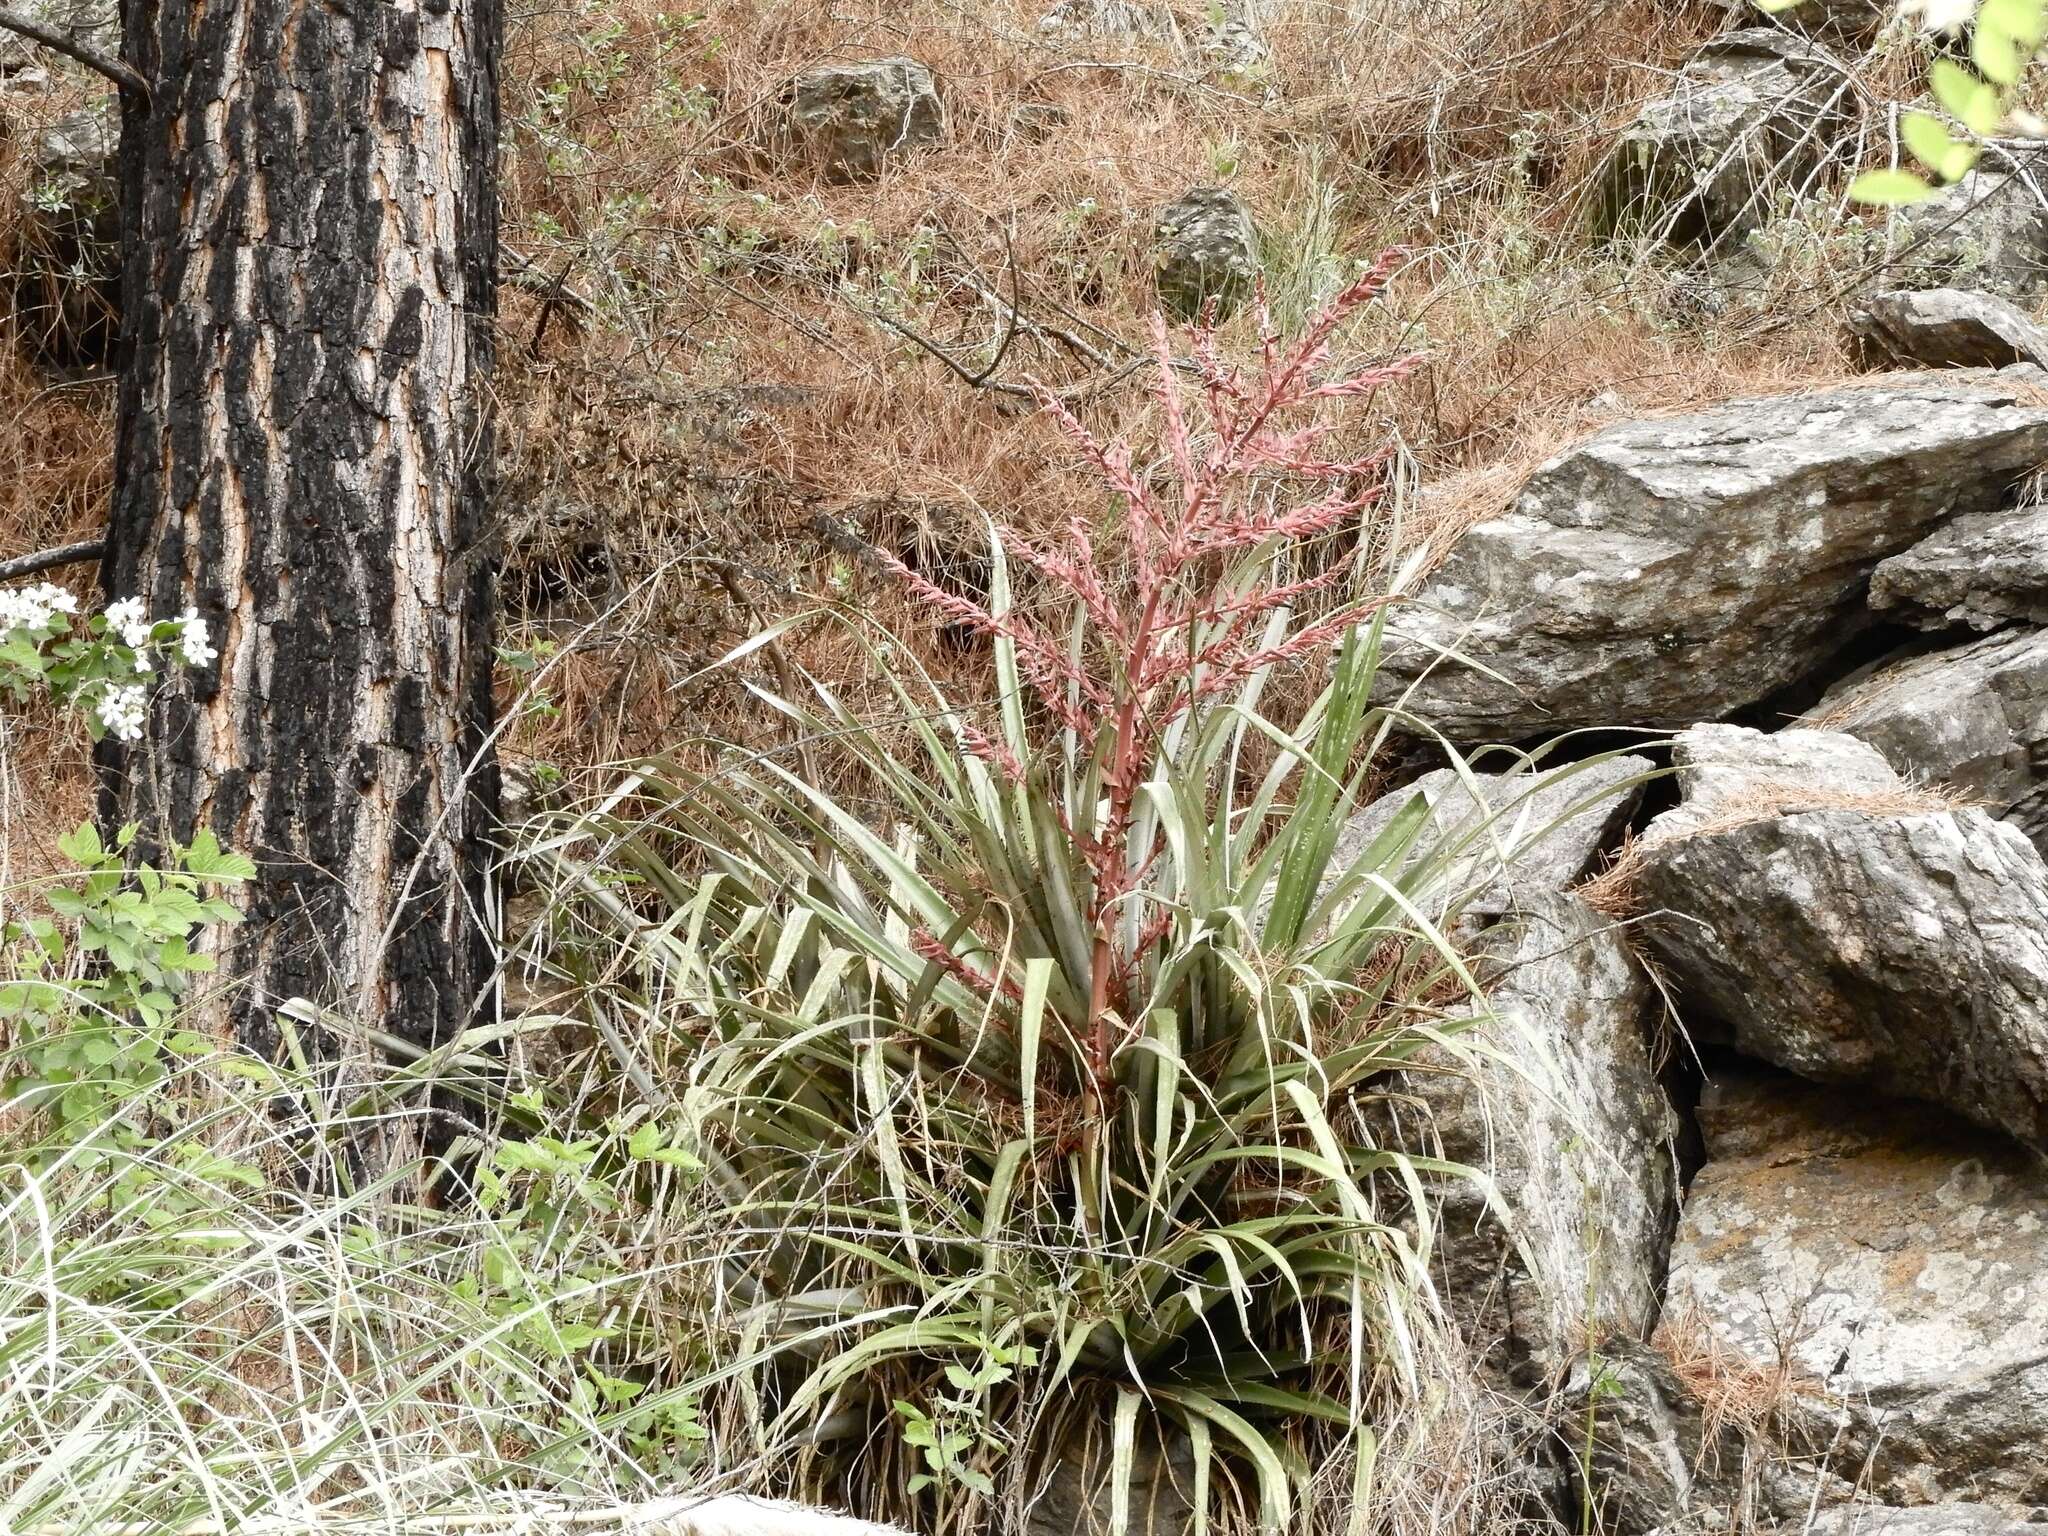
(1194, 608)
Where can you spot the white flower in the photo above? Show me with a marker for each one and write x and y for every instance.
(33, 607)
(127, 617)
(192, 639)
(1939, 15)
(121, 710)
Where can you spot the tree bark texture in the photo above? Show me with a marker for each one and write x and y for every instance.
(309, 201)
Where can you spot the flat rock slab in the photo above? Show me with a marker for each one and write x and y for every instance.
(1668, 571)
(1927, 1520)
(1845, 929)
(1972, 716)
(1896, 1260)
(1978, 572)
(1945, 328)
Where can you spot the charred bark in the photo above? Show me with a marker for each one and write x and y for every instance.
(309, 203)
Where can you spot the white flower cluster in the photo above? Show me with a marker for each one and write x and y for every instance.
(33, 607)
(121, 710)
(127, 619)
(192, 639)
(114, 682)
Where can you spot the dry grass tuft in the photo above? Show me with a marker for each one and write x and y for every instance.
(1765, 799)
(1737, 1396)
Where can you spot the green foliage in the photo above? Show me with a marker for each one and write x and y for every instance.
(236, 1321)
(2005, 37)
(92, 1039)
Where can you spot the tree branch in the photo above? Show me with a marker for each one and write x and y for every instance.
(50, 559)
(91, 58)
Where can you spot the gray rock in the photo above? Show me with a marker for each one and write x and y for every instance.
(1671, 570)
(1078, 1497)
(852, 119)
(1728, 772)
(1232, 44)
(94, 24)
(1844, 928)
(1975, 717)
(1887, 1266)
(1835, 20)
(1527, 833)
(1945, 328)
(1989, 231)
(1204, 248)
(1643, 1460)
(1553, 1092)
(68, 246)
(1927, 1520)
(1982, 570)
(1756, 109)
(1116, 20)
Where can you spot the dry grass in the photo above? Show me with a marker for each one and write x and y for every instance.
(1742, 1403)
(709, 406)
(648, 179)
(1767, 798)
(56, 441)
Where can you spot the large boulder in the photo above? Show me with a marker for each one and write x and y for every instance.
(1989, 231)
(1887, 1266)
(1982, 571)
(1554, 1093)
(1205, 250)
(1755, 110)
(1670, 570)
(1495, 840)
(1828, 917)
(1945, 328)
(852, 119)
(67, 266)
(1975, 717)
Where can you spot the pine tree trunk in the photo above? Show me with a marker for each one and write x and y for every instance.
(304, 451)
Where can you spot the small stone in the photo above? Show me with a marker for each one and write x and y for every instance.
(1206, 249)
(855, 118)
(1119, 20)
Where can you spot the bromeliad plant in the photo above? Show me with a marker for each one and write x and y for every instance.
(1072, 1059)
